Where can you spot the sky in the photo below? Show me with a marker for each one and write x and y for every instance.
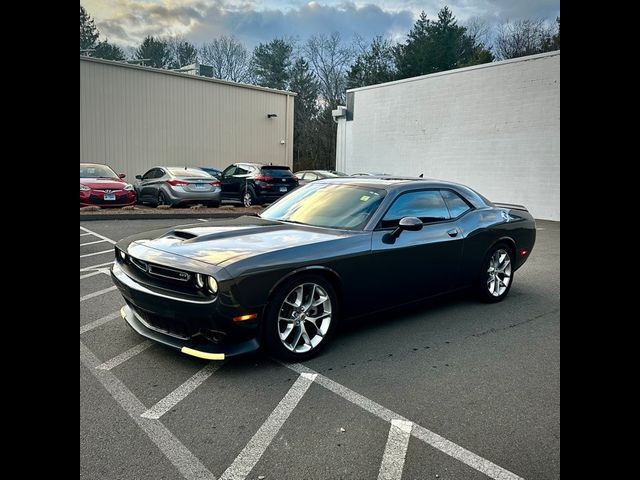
(127, 22)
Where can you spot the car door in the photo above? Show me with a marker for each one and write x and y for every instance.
(143, 187)
(417, 264)
(151, 187)
(226, 181)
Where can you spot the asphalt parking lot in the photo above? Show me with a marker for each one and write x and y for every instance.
(449, 389)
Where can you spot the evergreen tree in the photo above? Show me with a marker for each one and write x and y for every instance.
(88, 32)
(156, 51)
(374, 65)
(271, 63)
(108, 51)
(304, 83)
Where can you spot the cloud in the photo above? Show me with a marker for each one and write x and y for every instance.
(127, 22)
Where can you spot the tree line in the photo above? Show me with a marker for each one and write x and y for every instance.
(321, 68)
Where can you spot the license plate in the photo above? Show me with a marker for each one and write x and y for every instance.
(109, 196)
(200, 186)
(283, 189)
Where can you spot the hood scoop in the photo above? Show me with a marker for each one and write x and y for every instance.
(184, 234)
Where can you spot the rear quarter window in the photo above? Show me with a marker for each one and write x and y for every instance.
(456, 205)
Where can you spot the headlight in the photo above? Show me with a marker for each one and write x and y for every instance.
(199, 280)
(84, 188)
(122, 255)
(212, 284)
(129, 187)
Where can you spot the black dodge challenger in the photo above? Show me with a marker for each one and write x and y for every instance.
(331, 250)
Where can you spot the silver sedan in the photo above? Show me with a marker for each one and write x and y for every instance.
(177, 186)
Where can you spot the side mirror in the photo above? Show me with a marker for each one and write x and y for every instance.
(412, 224)
(139, 177)
(121, 175)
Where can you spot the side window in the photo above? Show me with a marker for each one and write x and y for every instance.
(230, 170)
(159, 173)
(310, 176)
(151, 174)
(241, 171)
(427, 205)
(457, 206)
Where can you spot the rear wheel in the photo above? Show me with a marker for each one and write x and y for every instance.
(162, 199)
(301, 318)
(496, 276)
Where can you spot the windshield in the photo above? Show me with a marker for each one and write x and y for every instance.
(96, 171)
(327, 205)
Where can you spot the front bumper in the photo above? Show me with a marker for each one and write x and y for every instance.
(123, 198)
(206, 350)
(195, 327)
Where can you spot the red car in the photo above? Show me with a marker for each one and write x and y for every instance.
(99, 185)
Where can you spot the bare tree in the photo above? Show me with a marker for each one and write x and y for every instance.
(330, 59)
(229, 58)
(181, 51)
(523, 37)
(479, 31)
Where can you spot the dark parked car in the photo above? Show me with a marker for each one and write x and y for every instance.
(254, 183)
(328, 251)
(178, 186)
(306, 176)
(100, 185)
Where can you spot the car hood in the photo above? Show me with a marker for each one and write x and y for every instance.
(223, 242)
(103, 183)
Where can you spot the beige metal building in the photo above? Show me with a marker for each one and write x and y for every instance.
(133, 118)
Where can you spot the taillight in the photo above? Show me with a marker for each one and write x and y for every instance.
(215, 184)
(175, 183)
(295, 179)
(262, 178)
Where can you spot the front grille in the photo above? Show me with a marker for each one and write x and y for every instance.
(169, 326)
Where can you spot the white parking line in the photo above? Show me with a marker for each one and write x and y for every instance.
(85, 234)
(93, 267)
(249, 456)
(395, 451)
(171, 400)
(97, 272)
(99, 292)
(123, 357)
(203, 219)
(96, 253)
(97, 235)
(99, 322)
(92, 243)
(186, 462)
(453, 450)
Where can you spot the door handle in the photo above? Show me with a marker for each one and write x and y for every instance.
(453, 232)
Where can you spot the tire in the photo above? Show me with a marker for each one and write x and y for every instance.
(249, 198)
(283, 315)
(162, 199)
(496, 276)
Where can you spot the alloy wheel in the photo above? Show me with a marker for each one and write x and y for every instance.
(499, 272)
(304, 317)
(247, 200)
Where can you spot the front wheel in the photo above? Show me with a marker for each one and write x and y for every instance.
(301, 318)
(249, 198)
(496, 276)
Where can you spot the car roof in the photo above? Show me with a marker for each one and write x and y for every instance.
(401, 184)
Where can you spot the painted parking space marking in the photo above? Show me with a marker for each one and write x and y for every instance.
(124, 356)
(180, 393)
(92, 243)
(431, 438)
(96, 253)
(98, 293)
(85, 234)
(186, 462)
(251, 453)
(99, 322)
(97, 272)
(93, 267)
(203, 219)
(97, 235)
(395, 451)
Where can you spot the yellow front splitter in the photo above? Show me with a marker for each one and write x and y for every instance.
(199, 354)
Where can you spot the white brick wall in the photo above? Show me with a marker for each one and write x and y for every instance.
(495, 128)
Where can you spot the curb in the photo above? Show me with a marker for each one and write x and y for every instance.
(157, 216)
